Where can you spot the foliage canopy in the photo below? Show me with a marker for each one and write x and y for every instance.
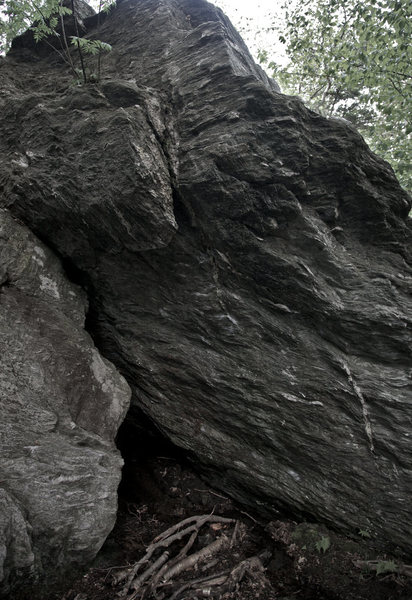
(353, 59)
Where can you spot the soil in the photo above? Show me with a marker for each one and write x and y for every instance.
(301, 561)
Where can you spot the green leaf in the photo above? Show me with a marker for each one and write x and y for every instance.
(365, 533)
(323, 544)
(92, 47)
(386, 566)
(63, 10)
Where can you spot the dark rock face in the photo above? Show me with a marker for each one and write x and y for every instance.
(61, 405)
(246, 261)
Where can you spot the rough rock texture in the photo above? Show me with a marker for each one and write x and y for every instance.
(246, 260)
(60, 406)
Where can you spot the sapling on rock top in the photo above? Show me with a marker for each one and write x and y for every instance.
(48, 20)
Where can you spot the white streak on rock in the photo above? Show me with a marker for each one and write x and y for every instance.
(365, 410)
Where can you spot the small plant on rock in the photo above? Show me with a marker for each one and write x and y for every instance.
(386, 566)
(364, 533)
(323, 544)
(47, 20)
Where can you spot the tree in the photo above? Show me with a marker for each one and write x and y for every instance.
(353, 59)
(47, 20)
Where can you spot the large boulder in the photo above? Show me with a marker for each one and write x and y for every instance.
(61, 404)
(247, 261)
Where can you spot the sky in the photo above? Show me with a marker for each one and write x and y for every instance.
(252, 19)
(245, 8)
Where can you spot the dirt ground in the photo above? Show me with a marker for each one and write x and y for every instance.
(214, 548)
(291, 561)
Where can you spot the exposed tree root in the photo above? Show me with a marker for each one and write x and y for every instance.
(169, 571)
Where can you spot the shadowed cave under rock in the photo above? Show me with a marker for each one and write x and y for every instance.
(185, 236)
